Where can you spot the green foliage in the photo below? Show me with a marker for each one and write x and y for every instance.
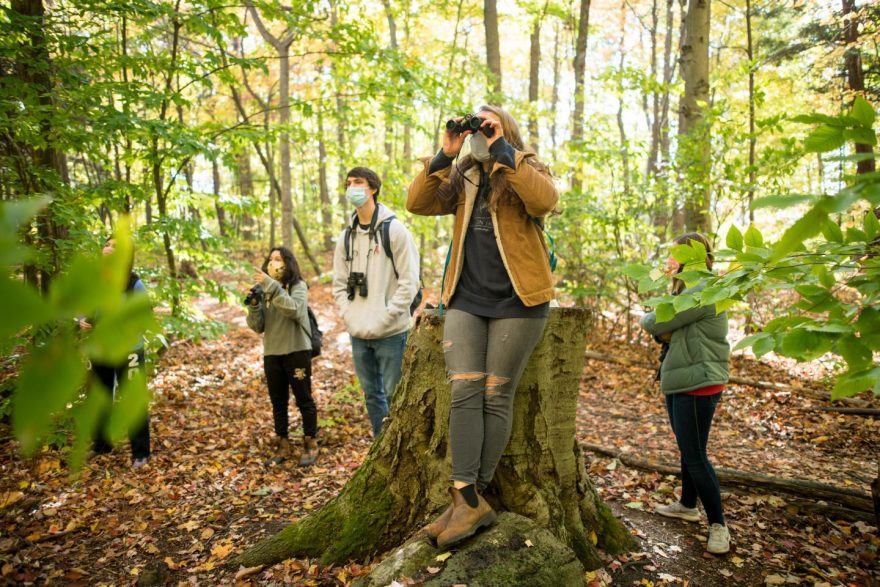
(835, 273)
(55, 369)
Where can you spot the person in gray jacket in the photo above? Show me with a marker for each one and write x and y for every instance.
(375, 279)
(280, 314)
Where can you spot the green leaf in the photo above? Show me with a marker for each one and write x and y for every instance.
(863, 112)
(715, 293)
(861, 136)
(805, 227)
(734, 239)
(130, 409)
(120, 329)
(665, 312)
(693, 277)
(684, 302)
(871, 225)
(86, 416)
(49, 379)
(751, 340)
(15, 213)
(855, 353)
(635, 271)
(723, 305)
(753, 237)
(850, 384)
(21, 306)
(824, 138)
(804, 345)
(831, 231)
(764, 346)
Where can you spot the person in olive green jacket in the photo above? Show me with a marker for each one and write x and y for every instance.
(693, 371)
(280, 314)
(498, 287)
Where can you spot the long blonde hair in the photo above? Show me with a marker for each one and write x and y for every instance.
(500, 191)
(686, 239)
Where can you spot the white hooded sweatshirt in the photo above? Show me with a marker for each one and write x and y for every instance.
(385, 310)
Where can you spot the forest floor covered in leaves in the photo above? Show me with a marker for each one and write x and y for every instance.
(207, 494)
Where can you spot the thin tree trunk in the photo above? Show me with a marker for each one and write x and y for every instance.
(752, 138)
(403, 480)
(554, 107)
(327, 224)
(580, 63)
(654, 146)
(624, 144)
(341, 117)
(854, 75)
(389, 102)
(493, 49)
(221, 212)
(694, 143)
(441, 114)
(534, 73)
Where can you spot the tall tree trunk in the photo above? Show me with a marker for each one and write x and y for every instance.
(327, 224)
(341, 117)
(534, 73)
(580, 64)
(246, 190)
(403, 480)
(221, 212)
(441, 115)
(389, 101)
(621, 129)
(654, 145)
(694, 143)
(33, 70)
(752, 138)
(854, 75)
(493, 49)
(554, 107)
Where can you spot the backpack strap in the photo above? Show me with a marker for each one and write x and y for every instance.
(385, 230)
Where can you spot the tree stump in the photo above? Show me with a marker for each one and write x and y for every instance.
(403, 481)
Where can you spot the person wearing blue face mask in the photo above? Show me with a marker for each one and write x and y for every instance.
(375, 280)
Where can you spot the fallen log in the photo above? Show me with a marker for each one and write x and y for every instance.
(850, 411)
(850, 498)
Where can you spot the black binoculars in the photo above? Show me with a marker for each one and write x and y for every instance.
(357, 282)
(470, 122)
(254, 296)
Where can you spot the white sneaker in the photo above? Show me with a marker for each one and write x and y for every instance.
(719, 539)
(139, 463)
(676, 510)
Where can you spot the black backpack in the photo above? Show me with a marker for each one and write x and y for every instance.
(317, 337)
(384, 230)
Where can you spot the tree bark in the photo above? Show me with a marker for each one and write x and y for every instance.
(693, 133)
(854, 75)
(534, 73)
(580, 63)
(221, 212)
(493, 49)
(327, 223)
(554, 107)
(403, 479)
(752, 138)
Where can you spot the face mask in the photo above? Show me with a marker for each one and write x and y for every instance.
(480, 147)
(275, 269)
(357, 196)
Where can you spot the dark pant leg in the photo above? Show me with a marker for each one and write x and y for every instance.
(107, 378)
(139, 436)
(298, 367)
(279, 394)
(692, 420)
(688, 489)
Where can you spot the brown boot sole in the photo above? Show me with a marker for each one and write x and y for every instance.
(483, 522)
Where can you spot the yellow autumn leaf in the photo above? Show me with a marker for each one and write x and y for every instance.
(442, 557)
(207, 533)
(221, 551)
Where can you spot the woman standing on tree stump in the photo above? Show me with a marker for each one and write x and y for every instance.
(693, 372)
(278, 308)
(497, 286)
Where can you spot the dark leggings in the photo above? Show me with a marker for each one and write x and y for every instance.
(691, 419)
(284, 372)
(110, 377)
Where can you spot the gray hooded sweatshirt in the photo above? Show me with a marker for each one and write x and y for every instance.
(282, 318)
(385, 310)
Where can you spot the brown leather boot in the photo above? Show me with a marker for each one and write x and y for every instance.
(435, 528)
(280, 452)
(310, 452)
(465, 520)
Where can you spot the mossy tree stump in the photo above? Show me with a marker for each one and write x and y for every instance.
(404, 478)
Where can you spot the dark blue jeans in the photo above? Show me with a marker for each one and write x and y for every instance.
(691, 419)
(110, 377)
(377, 364)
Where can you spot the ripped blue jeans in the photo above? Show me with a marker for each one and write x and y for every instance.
(485, 358)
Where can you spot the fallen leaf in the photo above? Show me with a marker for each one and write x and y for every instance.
(529, 543)
(433, 570)
(10, 497)
(442, 557)
(247, 572)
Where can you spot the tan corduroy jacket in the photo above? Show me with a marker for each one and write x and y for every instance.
(520, 240)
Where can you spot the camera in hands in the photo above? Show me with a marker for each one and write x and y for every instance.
(357, 282)
(470, 122)
(254, 296)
